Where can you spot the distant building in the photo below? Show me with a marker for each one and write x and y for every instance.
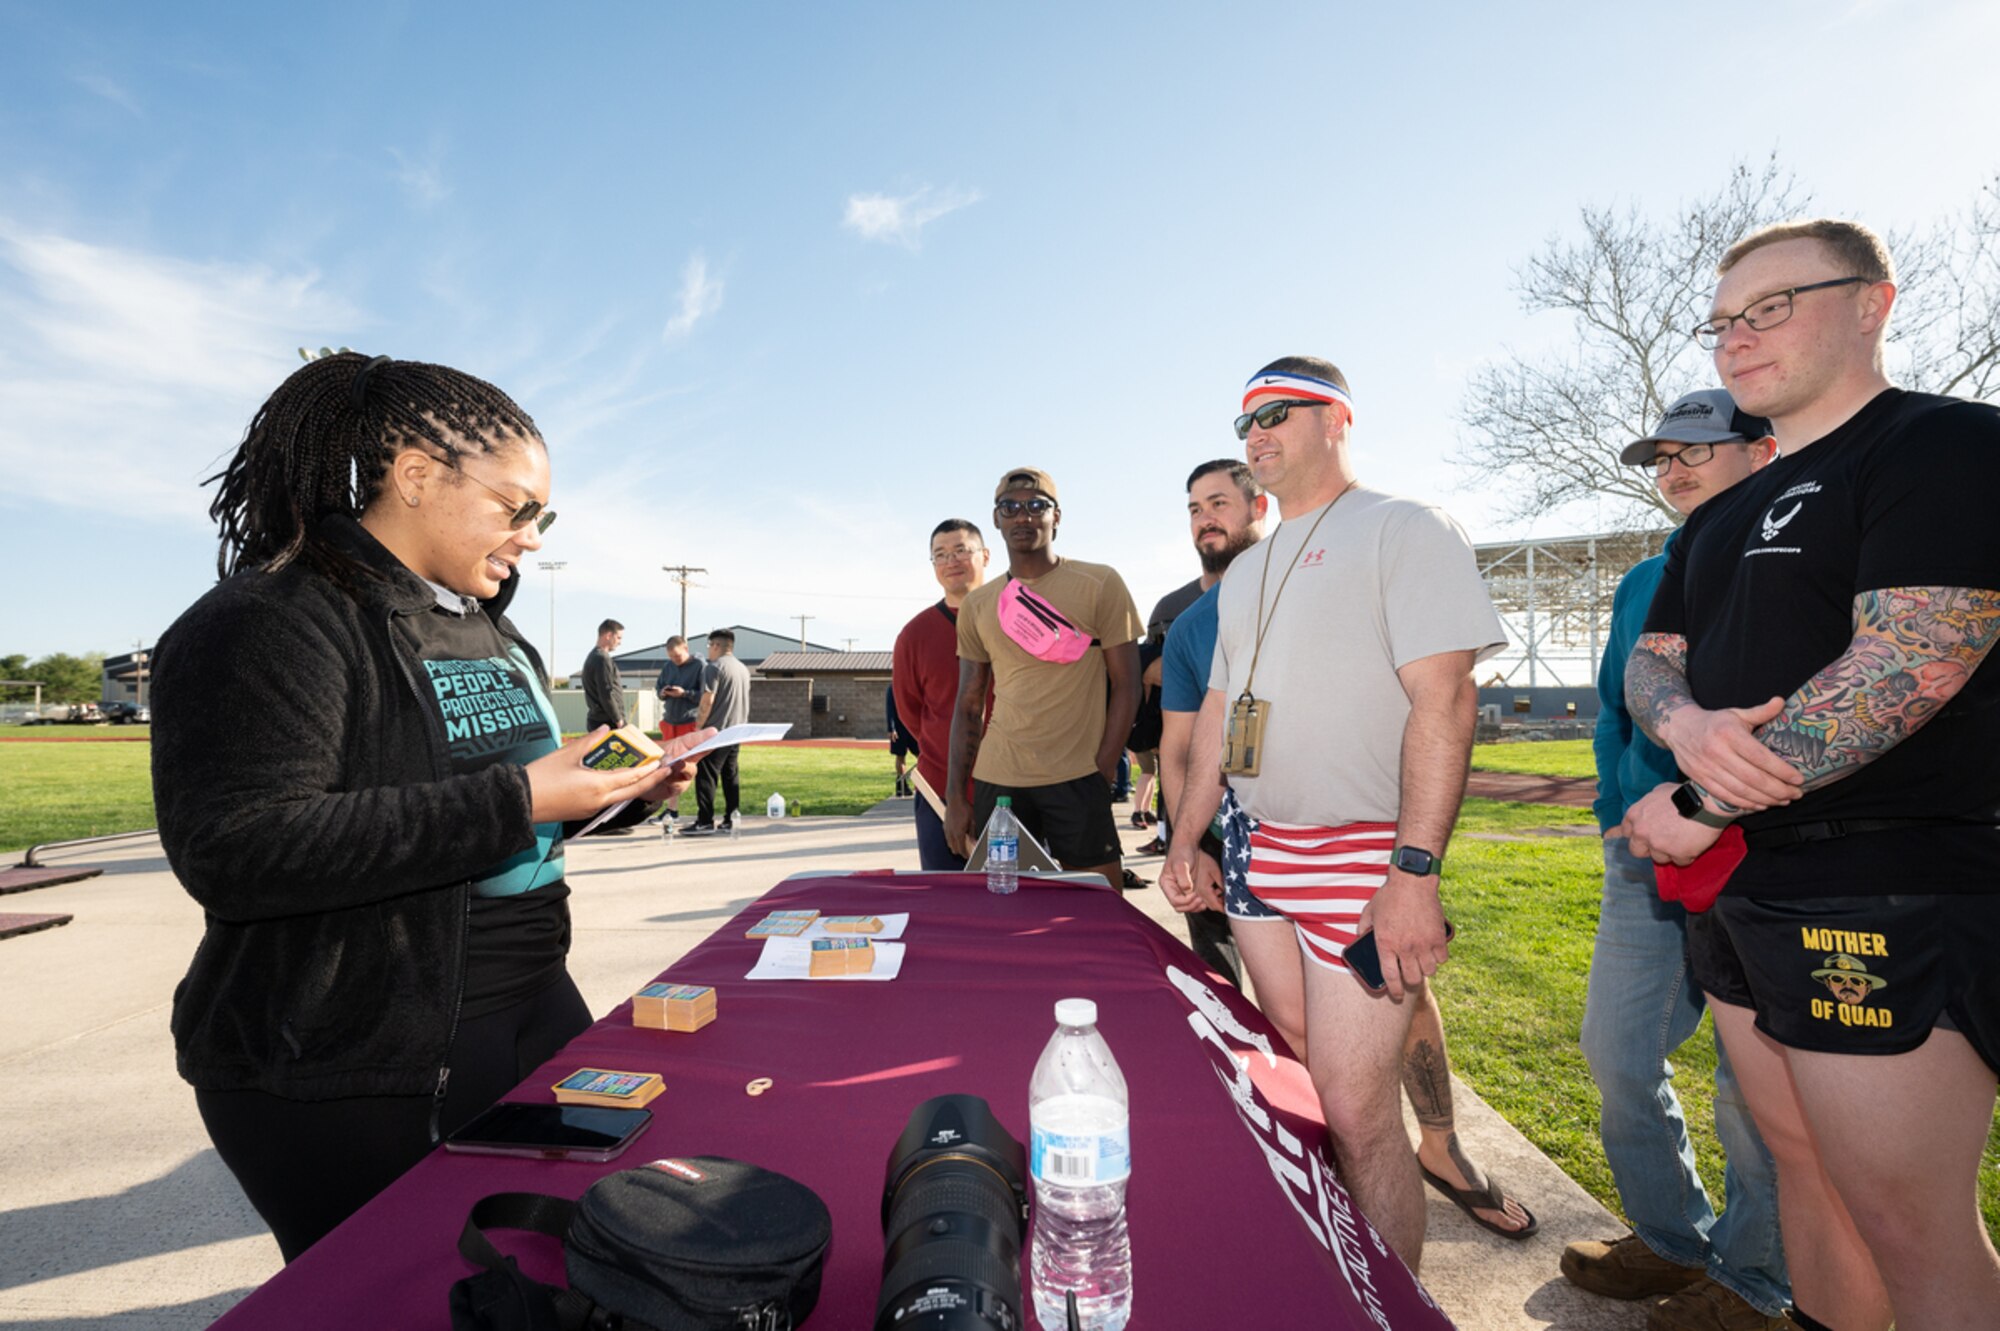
(752, 646)
(128, 678)
(824, 694)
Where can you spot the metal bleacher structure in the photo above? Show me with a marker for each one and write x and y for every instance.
(1554, 596)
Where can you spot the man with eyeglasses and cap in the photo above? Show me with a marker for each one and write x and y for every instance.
(924, 676)
(1816, 660)
(1335, 735)
(1044, 640)
(1642, 1006)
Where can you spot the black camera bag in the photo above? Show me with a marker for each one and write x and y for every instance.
(696, 1243)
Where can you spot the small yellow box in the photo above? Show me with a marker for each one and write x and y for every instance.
(674, 1007)
(626, 746)
(841, 956)
(612, 1090)
(782, 924)
(852, 924)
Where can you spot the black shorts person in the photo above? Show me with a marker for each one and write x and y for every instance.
(1856, 975)
(1071, 819)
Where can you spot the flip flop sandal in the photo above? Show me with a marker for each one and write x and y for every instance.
(1490, 1198)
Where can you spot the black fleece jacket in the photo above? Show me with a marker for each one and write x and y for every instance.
(306, 801)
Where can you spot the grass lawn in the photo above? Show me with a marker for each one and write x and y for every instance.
(57, 791)
(1554, 757)
(827, 781)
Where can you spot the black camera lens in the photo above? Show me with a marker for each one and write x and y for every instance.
(954, 1214)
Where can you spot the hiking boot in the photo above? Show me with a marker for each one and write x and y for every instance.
(1707, 1306)
(1624, 1269)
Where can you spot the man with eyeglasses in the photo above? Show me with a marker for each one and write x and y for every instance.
(1044, 640)
(1641, 1006)
(1335, 735)
(1813, 659)
(924, 676)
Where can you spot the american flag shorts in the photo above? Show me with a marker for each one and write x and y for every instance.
(1319, 878)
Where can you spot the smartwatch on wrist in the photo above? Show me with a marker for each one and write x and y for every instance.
(1687, 801)
(1416, 863)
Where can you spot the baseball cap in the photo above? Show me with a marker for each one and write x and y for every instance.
(1027, 478)
(1708, 417)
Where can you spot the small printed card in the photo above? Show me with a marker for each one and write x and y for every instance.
(792, 959)
(627, 746)
(840, 956)
(782, 924)
(835, 926)
(602, 1086)
(674, 1007)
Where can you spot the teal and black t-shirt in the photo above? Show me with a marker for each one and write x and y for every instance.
(492, 708)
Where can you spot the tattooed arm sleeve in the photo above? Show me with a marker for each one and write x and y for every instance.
(1914, 648)
(1656, 681)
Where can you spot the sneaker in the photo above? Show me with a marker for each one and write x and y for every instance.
(1138, 820)
(700, 829)
(1153, 847)
(1625, 1269)
(1134, 883)
(1707, 1306)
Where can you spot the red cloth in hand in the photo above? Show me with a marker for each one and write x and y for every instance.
(1697, 884)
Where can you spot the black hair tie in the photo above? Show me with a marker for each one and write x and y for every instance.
(357, 388)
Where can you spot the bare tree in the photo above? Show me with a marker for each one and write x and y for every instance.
(1546, 430)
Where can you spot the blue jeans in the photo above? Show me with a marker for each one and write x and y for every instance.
(1643, 1005)
(933, 851)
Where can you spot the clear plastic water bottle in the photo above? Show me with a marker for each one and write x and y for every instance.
(774, 807)
(1003, 848)
(1080, 1156)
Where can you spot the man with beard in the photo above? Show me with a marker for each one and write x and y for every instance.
(925, 675)
(1044, 640)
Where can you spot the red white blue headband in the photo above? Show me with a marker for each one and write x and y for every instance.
(1299, 386)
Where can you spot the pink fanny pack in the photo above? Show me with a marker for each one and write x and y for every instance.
(1040, 629)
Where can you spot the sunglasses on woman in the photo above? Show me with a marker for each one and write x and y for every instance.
(532, 511)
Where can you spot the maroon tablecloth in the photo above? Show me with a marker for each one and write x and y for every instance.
(1235, 1221)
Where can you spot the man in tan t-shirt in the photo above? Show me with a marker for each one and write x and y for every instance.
(1054, 739)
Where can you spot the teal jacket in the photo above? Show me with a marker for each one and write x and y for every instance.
(1628, 764)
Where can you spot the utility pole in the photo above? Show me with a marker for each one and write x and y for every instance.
(850, 642)
(552, 567)
(139, 662)
(802, 627)
(681, 573)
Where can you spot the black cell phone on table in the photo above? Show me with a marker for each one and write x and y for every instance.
(1366, 963)
(550, 1132)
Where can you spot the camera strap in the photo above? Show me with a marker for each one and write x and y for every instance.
(503, 1297)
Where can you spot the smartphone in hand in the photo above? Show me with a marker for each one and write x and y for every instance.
(1366, 963)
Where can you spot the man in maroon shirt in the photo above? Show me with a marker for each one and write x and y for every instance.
(926, 676)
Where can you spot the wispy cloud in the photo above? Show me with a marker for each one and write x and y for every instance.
(146, 365)
(900, 219)
(422, 176)
(701, 296)
(110, 90)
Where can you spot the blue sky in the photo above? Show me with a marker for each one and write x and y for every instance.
(785, 285)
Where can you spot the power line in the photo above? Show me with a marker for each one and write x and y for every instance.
(680, 573)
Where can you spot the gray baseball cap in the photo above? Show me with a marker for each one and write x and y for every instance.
(1708, 417)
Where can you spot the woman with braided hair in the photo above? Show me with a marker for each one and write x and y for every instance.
(359, 776)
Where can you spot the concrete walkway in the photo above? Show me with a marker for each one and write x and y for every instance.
(116, 1213)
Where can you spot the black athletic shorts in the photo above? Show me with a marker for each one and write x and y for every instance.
(1072, 818)
(1856, 975)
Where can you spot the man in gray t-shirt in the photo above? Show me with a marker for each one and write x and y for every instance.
(725, 702)
(1342, 683)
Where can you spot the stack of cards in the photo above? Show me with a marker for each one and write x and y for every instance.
(852, 924)
(674, 1007)
(626, 746)
(782, 924)
(842, 956)
(611, 1090)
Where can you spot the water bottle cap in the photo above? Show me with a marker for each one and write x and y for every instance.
(1076, 1012)
(1004, 802)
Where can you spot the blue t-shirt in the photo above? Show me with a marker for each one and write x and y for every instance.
(1628, 764)
(1190, 653)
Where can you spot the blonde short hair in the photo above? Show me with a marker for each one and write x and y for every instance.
(1859, 250)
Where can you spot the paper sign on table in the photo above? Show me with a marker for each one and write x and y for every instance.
(791, 959)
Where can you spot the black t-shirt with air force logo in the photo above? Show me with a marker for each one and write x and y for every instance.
(1762, 585)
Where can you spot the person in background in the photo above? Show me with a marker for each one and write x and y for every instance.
(359, 776)
(679, 688)
(1723, 1271)
(603, 690)
(1050, 641)
(925, 676)
(725, 702)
